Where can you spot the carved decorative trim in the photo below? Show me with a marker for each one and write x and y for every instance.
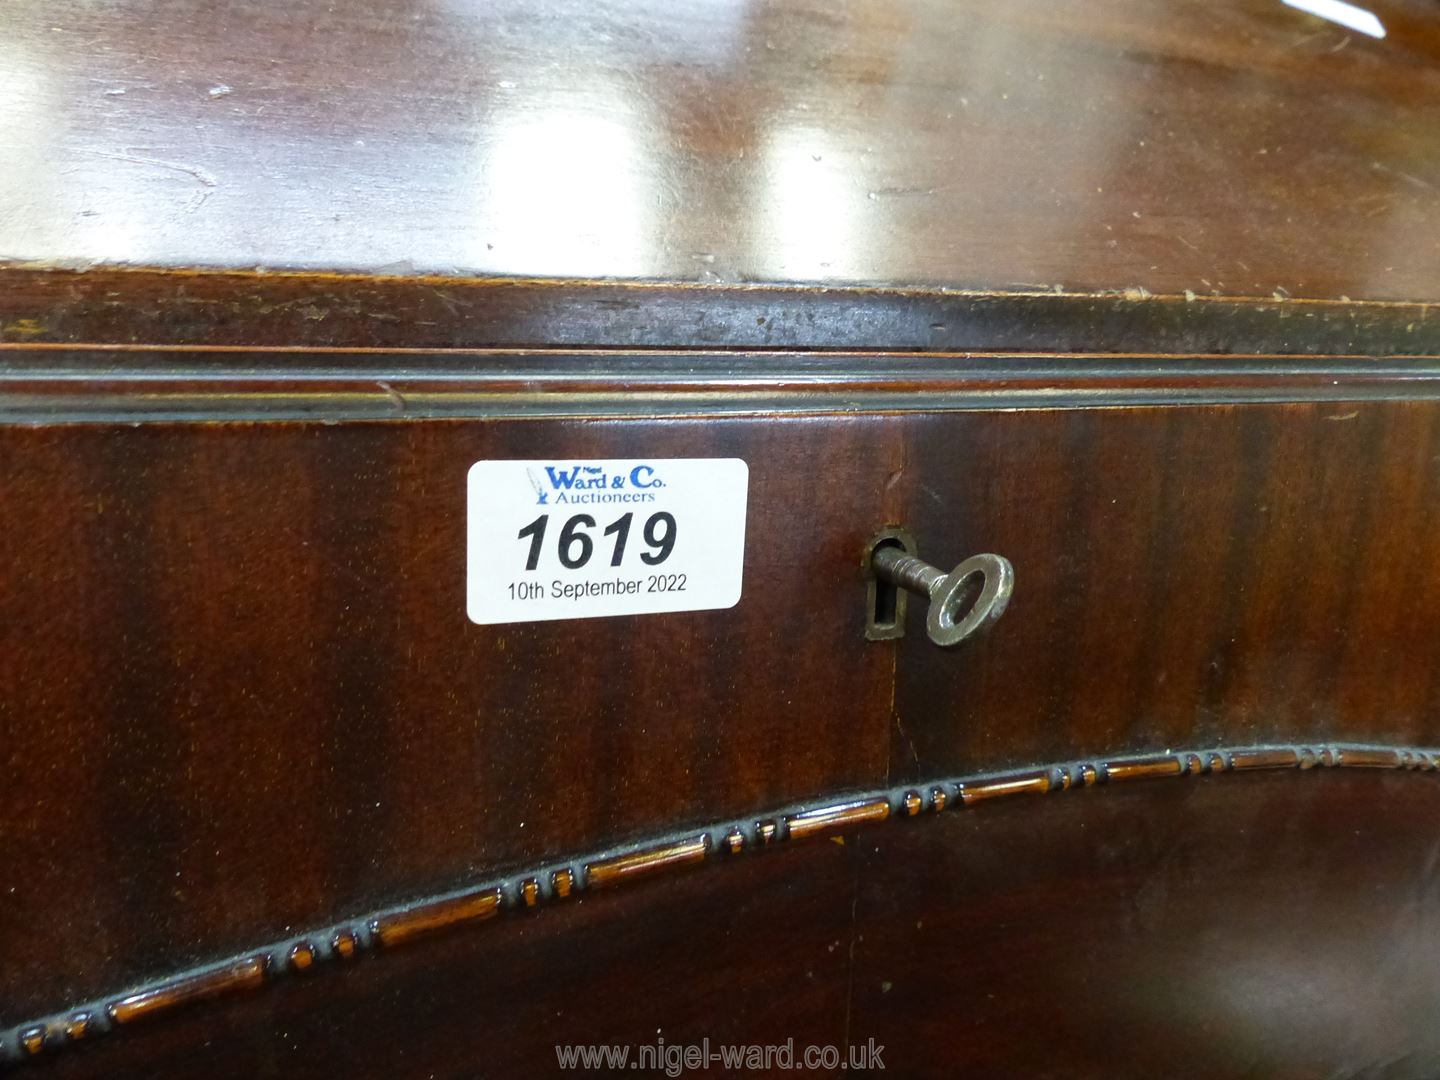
(398, 925)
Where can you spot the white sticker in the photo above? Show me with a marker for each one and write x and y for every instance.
(575, 539)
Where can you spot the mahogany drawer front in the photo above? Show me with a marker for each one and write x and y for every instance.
(244, 650)
(1135, 299)
(1185, 577)
(239, 656)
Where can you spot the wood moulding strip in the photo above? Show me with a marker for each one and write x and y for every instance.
(50, 385)
(106, 304)
(398, 925)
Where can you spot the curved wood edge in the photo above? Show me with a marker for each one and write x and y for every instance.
(112, 305)
(396, 926)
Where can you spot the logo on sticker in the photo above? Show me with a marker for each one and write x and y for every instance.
(574, 484)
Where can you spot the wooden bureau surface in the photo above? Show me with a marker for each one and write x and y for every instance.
(1240, 148)
(1136, 295)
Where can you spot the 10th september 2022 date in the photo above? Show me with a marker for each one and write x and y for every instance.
(582, 590)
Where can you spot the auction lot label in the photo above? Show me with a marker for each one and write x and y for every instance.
(563, 538)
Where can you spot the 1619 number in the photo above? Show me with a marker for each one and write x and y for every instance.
(575, 545)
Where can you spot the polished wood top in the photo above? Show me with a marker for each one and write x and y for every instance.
(1242, 149)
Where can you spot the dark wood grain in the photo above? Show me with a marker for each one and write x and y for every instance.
(1134, 918)
(1240, 149)
(241, 690)
(1139, 295)
(1224, 574)
(243, 694)
(1276, 928)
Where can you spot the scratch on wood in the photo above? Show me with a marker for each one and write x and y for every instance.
(207, 179)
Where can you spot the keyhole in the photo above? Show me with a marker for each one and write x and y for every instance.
(885, 603)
